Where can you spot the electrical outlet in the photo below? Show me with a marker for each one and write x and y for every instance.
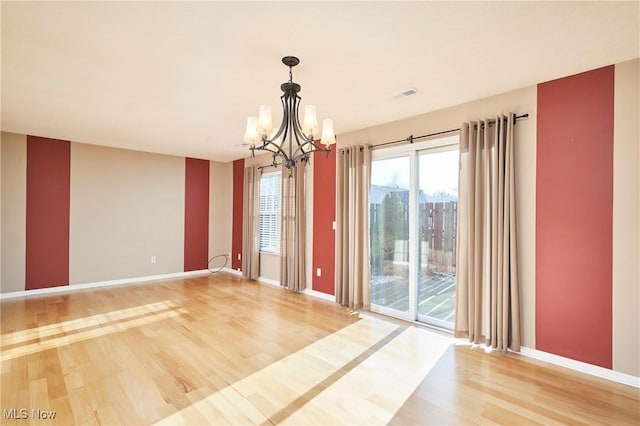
(153, 259)
(334, 225)
(239, 256)
(318, 272)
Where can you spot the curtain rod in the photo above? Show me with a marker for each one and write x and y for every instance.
(412, 138)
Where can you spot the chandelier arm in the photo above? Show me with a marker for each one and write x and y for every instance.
(300, 149)
(307, 142)
(292, 113)
(269, 148)
(283, 124)
(317, 147)
(274, 149)
(269, 144)
(300, 152)
(308, 139)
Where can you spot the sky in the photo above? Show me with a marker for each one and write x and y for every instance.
(438, 172)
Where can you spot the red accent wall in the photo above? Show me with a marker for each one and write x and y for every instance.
(47, 221)
(574, 216)
(324, 213)
(236, 238)
(196, 214)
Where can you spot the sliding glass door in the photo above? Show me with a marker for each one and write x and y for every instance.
(389, 226)
(413, 212)
(437, 226)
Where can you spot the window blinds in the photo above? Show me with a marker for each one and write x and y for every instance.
(269, 227)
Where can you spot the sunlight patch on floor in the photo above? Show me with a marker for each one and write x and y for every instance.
(365, 385)
(53, 336)
(374, 391)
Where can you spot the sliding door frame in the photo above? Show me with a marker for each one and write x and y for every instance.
(413, 151)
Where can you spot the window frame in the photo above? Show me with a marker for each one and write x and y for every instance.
(274, 246)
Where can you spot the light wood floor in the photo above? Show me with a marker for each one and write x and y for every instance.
(220, 350)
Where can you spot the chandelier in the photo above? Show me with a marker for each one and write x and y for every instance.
(292, 142)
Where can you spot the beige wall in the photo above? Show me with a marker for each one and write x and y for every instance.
(270, 266)
(520, 101)
(220, 208)
(14, 211)
(126, 206)
(626, 216)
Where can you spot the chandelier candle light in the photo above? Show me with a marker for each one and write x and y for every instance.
(261, 137)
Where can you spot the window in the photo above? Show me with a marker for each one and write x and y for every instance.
(269, 228)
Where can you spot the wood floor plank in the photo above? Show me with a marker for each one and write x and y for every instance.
(372, 392)
(509, 389)
(218, 349)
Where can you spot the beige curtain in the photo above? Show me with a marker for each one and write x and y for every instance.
(250, 222)
(292, 228)
(488, 309)
(352, 233)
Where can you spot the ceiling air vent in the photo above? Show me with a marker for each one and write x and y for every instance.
(404, 93)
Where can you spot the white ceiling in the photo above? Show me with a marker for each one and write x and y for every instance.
(180, 78)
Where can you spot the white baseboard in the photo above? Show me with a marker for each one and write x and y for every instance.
(85, 286)
(272, 282)
(583, 367)
(269, 281)
(319, 295)
(307, 291)
(98, 284)
(232, 271)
